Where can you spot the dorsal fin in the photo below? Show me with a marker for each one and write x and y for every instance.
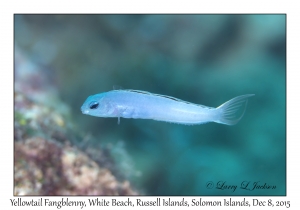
(117, 87)
(165, 96)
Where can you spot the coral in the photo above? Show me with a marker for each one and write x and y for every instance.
(51, 155)
(43, 167)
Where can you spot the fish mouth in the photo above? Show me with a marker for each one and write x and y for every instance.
(84, 111)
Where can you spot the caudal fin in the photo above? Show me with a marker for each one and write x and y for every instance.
(233, 110)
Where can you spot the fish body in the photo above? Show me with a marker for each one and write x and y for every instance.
(144, 105)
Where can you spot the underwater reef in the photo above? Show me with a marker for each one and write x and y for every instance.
(60, 60)
(50, 153)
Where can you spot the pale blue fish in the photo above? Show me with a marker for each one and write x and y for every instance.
(144, 105)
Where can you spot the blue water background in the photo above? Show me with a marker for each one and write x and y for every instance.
(204, 59)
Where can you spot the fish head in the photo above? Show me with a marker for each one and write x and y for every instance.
(97, 105)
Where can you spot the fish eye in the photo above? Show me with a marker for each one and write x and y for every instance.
(94, 105)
